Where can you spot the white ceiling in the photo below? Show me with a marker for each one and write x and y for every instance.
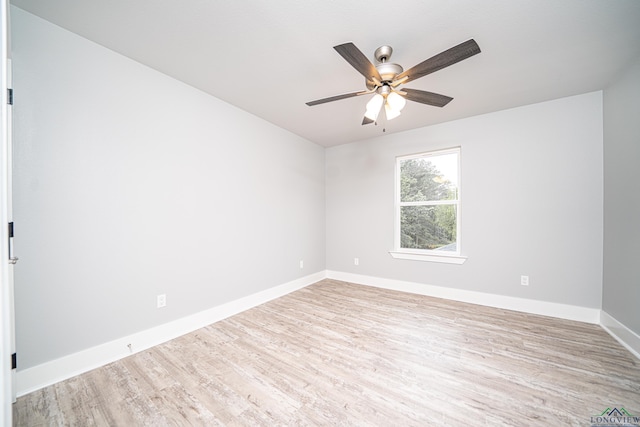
(269, 57)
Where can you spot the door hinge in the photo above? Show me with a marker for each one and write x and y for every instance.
(14, 361)
(12, 259)
(10, 96)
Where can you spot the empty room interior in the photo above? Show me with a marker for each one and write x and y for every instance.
(322, 213)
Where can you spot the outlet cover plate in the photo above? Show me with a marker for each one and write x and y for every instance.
(162, 300)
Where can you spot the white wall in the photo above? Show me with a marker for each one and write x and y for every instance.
(531, 203)
(621, 293)
(129, 184)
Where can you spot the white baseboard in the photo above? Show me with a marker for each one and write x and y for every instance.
(625, 336)
(562, 311)
(49, 373)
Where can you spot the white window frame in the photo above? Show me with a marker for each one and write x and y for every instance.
(427, 254)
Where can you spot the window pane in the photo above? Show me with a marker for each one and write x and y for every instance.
(429, 178)
(428, 227)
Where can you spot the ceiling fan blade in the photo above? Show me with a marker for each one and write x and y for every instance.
(359, 61)
(428, 98)
(366, 121)
(336, 98)
(441, 60)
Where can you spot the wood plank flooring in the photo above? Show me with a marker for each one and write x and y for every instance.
(341, 354)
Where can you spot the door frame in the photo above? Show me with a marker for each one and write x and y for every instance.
(6, 303)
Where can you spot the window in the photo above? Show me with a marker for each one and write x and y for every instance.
(428, 206)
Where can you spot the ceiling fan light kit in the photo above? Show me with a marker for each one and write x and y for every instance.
(383, 78)
(396, 101)
(392, 101)
(373, 107)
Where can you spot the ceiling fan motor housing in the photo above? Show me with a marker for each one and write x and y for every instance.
(387, 70)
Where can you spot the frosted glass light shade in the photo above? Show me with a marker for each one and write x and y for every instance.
(396, 102)
(390, 111)
(373, 107)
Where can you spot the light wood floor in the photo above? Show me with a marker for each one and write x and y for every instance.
(341, 354)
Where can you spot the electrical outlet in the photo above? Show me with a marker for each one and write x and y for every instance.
(301, 264)
(524, 280)
(356, 261)
(162, 300)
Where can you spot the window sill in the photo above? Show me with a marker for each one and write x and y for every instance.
(446, 259)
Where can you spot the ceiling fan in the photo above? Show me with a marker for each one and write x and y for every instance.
(384, 79)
